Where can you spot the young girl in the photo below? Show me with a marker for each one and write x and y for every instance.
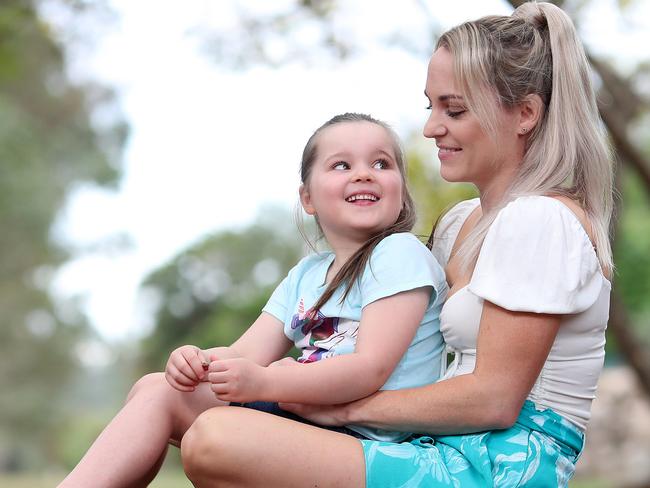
(365, 316)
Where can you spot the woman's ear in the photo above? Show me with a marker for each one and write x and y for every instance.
(305, 200)
(531, 110)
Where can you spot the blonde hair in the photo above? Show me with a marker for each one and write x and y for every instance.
(498, 61)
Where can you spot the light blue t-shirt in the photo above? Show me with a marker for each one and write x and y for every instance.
(400, 262)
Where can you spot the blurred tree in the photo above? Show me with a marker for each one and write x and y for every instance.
(209, 294)
(48, 142)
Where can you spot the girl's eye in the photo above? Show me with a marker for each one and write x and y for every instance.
(429, 106)
(456, 113)
(341, 165)
(380, 164)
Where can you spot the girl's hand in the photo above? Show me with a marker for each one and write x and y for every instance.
(185, 368)
(237, 380)
(326, 415)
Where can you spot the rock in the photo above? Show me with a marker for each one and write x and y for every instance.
(617, 445)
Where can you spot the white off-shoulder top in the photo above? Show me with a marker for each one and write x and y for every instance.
(536, 257)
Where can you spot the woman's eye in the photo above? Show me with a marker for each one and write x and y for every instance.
(341, 165)
(380, 164)
(456, 113)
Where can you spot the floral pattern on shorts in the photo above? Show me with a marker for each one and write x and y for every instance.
(539, 450)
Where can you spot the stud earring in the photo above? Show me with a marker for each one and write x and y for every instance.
(523, 130)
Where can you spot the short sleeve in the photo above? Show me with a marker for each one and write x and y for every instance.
(448, 227)
(400, 262)
(537, 257)
(279, 304)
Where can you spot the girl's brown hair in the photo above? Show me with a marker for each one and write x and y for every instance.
(351, 271)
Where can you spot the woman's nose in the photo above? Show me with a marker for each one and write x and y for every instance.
(433, 127)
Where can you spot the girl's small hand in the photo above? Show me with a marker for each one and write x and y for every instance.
(326, 415)
(237, 380)
(185, 368)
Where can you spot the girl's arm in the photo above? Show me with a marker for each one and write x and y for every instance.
(263, 343)
(387, 327)
(511, 351)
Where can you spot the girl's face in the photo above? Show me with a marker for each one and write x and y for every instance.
(355, 186)
(466, 152)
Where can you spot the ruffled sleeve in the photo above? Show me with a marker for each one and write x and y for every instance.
(448, 228)
(537, 257)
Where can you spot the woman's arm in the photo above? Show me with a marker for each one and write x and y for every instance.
(511, 351)
(387, 327)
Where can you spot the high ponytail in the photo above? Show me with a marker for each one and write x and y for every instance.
(498, 61)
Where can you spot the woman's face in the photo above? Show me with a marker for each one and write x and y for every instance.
(466, 152)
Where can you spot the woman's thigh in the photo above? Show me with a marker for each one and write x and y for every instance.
(233, 446)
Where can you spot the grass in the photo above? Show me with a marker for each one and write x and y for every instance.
(176, 479)
(166, 479)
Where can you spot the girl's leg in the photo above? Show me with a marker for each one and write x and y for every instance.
(130, 450)
(237, 447)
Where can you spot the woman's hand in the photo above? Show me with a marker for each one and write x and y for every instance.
(186, 367)
(326, 415)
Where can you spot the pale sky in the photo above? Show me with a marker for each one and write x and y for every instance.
(208, 146)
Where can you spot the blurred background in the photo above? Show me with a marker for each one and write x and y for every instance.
(149, 158)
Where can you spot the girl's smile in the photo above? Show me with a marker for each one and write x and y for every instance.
(355, 187)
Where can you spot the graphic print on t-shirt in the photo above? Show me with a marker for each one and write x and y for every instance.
(320, 337)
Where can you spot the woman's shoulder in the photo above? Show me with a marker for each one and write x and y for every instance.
(537, 257)
(532, 214)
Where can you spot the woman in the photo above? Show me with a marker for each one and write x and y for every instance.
(513, 112)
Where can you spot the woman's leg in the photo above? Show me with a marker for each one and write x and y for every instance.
(130, 450)
(240, 448)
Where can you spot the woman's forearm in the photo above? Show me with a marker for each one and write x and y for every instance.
(455, 406)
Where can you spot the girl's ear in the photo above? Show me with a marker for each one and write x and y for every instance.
(305, 200)
(530, 113)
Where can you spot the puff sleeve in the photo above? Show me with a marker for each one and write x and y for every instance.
(537, 257)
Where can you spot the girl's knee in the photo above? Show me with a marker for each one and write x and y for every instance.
(148, 383)
(209, 447)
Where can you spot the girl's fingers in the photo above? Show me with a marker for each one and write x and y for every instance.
(217, 378)
(180, 376)
(220, 388)
(193, 360)
(175, 384)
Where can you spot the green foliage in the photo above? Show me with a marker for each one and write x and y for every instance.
(632, 253)
(48, 143)
(209, 294)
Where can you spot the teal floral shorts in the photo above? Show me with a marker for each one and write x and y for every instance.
(539, 450)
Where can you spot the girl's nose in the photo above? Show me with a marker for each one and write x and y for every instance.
(362, 173)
